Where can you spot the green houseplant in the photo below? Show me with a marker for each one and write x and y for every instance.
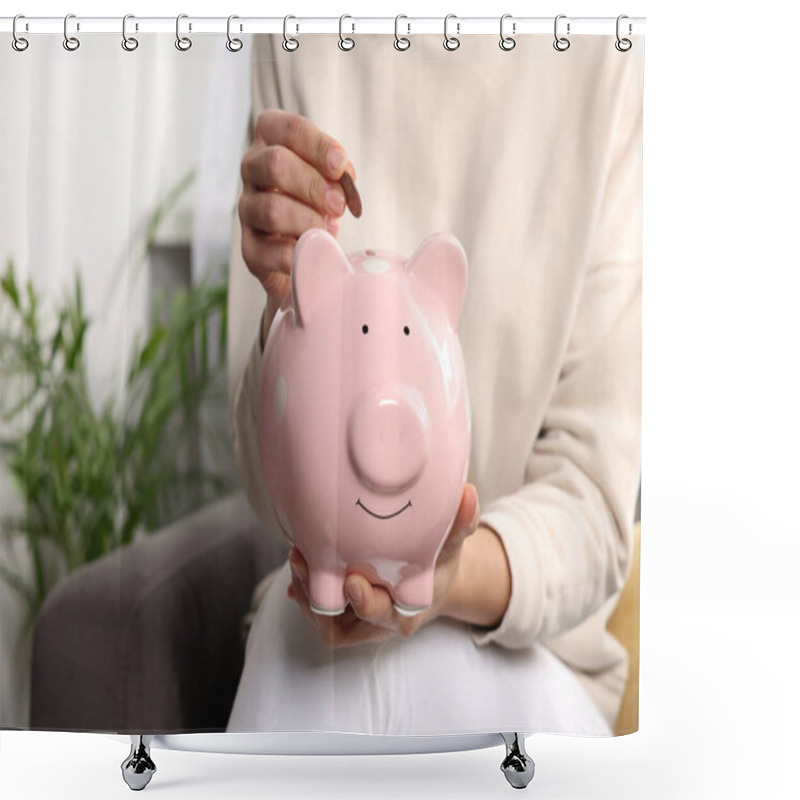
(92, 478)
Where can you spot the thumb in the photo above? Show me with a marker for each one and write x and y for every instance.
(466, 520)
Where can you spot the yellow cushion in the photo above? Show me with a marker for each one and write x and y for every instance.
(624, 625)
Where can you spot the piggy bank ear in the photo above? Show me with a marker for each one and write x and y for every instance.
(317, 264)
(441, 263)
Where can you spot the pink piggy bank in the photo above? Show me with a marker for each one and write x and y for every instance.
(364, 421)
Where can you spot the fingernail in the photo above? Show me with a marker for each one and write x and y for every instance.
(334, 200)
(336, 158)
(354, 591)
(476, 517)
(476, 512)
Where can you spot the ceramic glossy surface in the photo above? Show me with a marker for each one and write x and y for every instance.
(364, 424)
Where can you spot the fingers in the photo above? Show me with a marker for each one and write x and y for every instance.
(264, 252)
(465, 523)
(370, 603)
(299, 134)
(278, 167)
(271, 225)
(290, 177)
(276, 213)
(469, 510)
(351, 627)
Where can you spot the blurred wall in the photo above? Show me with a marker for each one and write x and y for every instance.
(90, 143)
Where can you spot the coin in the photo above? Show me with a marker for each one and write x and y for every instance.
(351, 195)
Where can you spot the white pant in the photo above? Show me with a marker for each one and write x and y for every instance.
(437, 681)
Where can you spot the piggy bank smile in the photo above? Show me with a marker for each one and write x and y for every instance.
(384, 516)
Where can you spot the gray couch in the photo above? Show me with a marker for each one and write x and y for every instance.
(149, 639)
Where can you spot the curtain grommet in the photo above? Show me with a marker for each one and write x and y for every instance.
(290, 44)
(507, 43)
(71, 43)
(19, 43)
(561, 43)
(623, 45)
(346, 43)
(451, 43)
(183, 43)
(233, 44)
(401, 43)
(129, 43)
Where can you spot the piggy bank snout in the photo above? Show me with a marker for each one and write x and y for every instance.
(388, 440)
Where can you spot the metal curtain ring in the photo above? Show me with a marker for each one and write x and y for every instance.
(400, 42)
(561, 43)
(233, 44)
(623, 45)
(451, 42)
(183, 43)
(507, 42)
(290, 44)
(129, 43)
(71, 43)
(19, 43)
(345, 42)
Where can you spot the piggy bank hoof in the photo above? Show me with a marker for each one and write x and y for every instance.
(408, 611)
(326, 612)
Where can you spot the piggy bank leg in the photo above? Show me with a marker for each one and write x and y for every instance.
(326, 592)
(413, 595)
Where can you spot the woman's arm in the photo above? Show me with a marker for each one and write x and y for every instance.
(568, 530)
(481, 587)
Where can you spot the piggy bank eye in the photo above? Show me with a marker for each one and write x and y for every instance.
(365, 329)
(406, 331)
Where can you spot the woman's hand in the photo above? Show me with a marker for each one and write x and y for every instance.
(370, 615)
(290, 178)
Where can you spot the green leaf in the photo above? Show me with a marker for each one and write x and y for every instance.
(90, 476)
(151, 348)
(9, 284)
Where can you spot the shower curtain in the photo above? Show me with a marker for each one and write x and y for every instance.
(177, 221)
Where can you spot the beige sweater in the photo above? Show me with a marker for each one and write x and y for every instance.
(532, 158)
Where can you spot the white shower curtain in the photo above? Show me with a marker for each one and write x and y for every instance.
(126, 166)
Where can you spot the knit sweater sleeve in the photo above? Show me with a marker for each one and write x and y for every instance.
(568, 531)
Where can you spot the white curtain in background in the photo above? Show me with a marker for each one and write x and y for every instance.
(112, 142)
(227, 105)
